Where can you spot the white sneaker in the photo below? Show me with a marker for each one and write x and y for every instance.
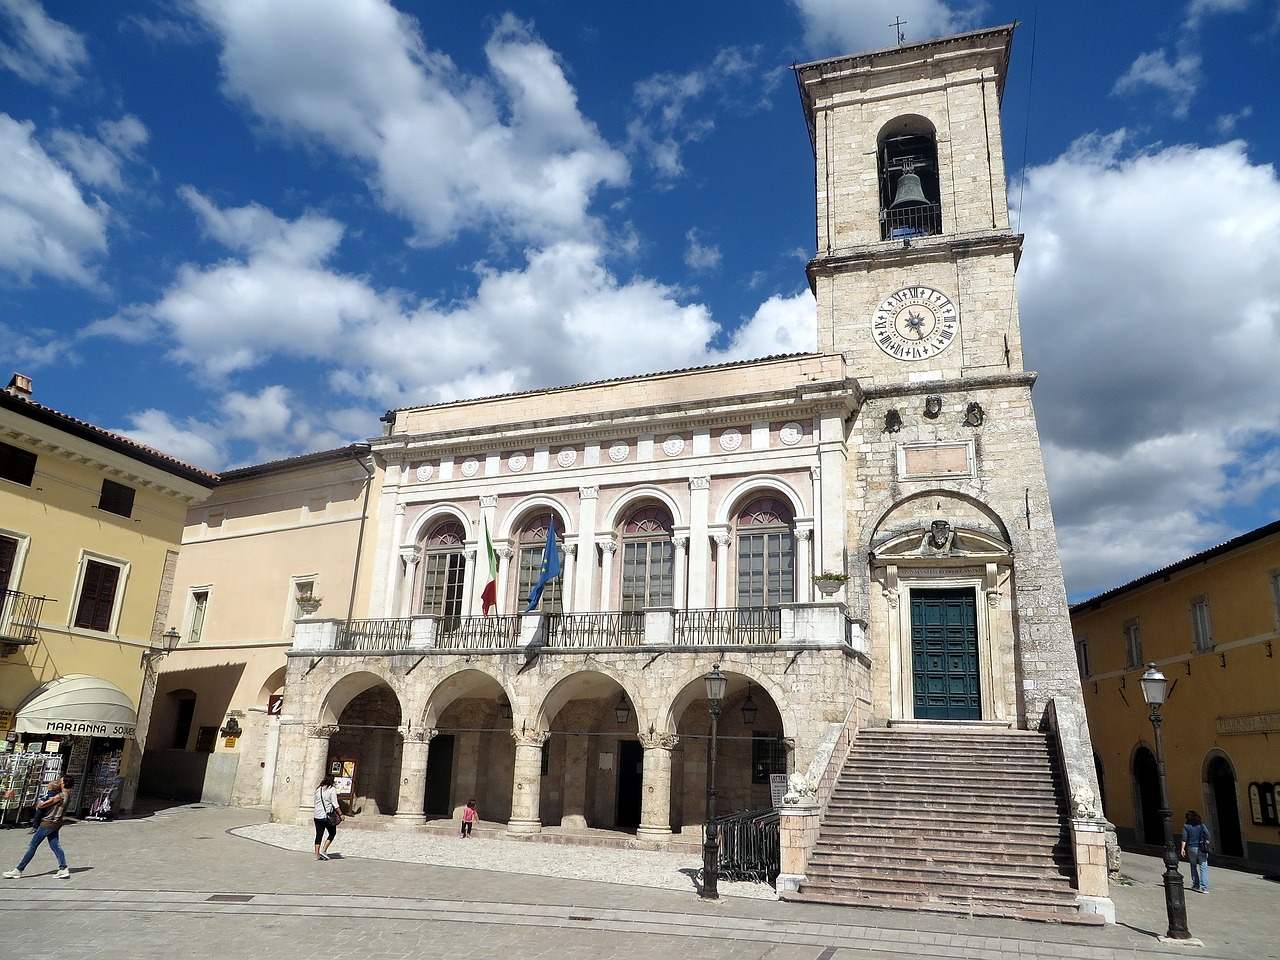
(13, 874)
(64, 874)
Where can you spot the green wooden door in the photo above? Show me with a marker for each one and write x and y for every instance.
(944, 655)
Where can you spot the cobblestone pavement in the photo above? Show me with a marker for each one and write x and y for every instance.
(179, 883)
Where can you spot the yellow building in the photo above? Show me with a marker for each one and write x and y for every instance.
(1209, 623)
(90, 525)
(268, 536)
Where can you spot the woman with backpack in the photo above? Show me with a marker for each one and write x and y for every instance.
(1195, 850)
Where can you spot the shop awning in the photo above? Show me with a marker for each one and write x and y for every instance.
(78, 705)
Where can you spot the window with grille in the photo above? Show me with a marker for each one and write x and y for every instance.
(1201, 626)
(116, 498)
(444, 568)
(17, 464)
(1132, 644)
(768, 755)
(766, 554)
(98, 590)
(648, 561)
(533, 541)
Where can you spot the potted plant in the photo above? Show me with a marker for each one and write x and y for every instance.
(829, 583)
(308, 603)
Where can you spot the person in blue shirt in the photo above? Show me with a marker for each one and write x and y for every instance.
(1195, 850)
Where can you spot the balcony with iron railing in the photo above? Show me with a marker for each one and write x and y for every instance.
(19, 620)
(789, 625)
(910, 222)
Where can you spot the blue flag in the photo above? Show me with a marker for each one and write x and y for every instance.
(550, 566)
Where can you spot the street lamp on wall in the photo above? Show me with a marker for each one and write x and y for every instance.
(749, 708)
(1154, 690)
(622, 710)
(716, 683)
(168, 643)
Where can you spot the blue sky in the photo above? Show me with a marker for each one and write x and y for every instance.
(240, 230)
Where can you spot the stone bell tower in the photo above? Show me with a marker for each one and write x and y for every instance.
(914, 280)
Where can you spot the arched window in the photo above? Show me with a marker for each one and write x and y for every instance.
(647, 560)
(533, 542)
(910, 199)
(766, 554)
(443, 571)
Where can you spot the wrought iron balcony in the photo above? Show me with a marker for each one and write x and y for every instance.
(19, 619)
(797, 624)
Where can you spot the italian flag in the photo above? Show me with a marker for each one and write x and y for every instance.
(489, 596)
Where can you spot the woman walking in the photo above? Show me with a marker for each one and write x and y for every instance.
(54, 810)
(328, 814)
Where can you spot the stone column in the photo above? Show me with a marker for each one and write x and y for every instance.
(699, 547)
(723, 538)
(410, 557)
(583, 587)
(655, 799)
(680, 570)
(574, 808)
(470, 591)
(566, 578)
(798, 828)
(505, 554)
(415, 746)
(527, 781)
(804, 564)
(313, 770)
(608, 546)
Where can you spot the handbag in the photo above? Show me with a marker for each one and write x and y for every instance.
(332, 815)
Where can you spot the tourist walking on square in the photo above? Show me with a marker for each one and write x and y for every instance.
(468, 817)
(328, 814)
(54, 810)
(1195, 849)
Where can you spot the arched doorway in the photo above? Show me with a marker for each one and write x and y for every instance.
(1146, 780)
(1220, 784)
(364, 753)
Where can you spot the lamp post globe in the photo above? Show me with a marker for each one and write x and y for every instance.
(1155, 688)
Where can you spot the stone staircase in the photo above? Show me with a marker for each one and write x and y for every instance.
(953, 821)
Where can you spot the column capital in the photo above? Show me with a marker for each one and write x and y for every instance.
(418, 734)
(489, 501)
(680, 540)
(700, 483)
(589, 493)
(503, 551)
(530, 738)
(608, 544)
(722, 539)
(659, 741)
(410, 555)
(322, 731)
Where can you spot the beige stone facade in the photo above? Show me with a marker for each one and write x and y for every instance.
(693, 513)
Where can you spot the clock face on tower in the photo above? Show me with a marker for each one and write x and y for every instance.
(915, 323)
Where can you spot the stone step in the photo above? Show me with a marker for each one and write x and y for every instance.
(905, 856)
(952, 809)
(919, 840)
(947, 888)
(1053, 912)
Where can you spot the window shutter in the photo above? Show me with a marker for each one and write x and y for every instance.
(97, 596)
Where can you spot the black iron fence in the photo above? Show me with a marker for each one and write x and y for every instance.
(608, 629)
(740, 625)
(750, 847)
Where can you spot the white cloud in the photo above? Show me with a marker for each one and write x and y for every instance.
(99, 161)
(274, 422)
(1157, 389)
(700, 256)
(834, 27)
(1197, 10)
(663, 125)
(780, 325)
(46, 226)
(450, 152)
(1177, 79)
(40, 50)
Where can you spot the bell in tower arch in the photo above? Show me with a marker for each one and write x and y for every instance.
(909, 193)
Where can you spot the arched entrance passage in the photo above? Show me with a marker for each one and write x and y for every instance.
(364, 749)
(1224, 812)
(751, 745)
(1148, 825)
(470, 754)
(593, 760)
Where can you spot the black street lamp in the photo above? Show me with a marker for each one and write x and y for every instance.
(716, 683)
(1154, 689)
